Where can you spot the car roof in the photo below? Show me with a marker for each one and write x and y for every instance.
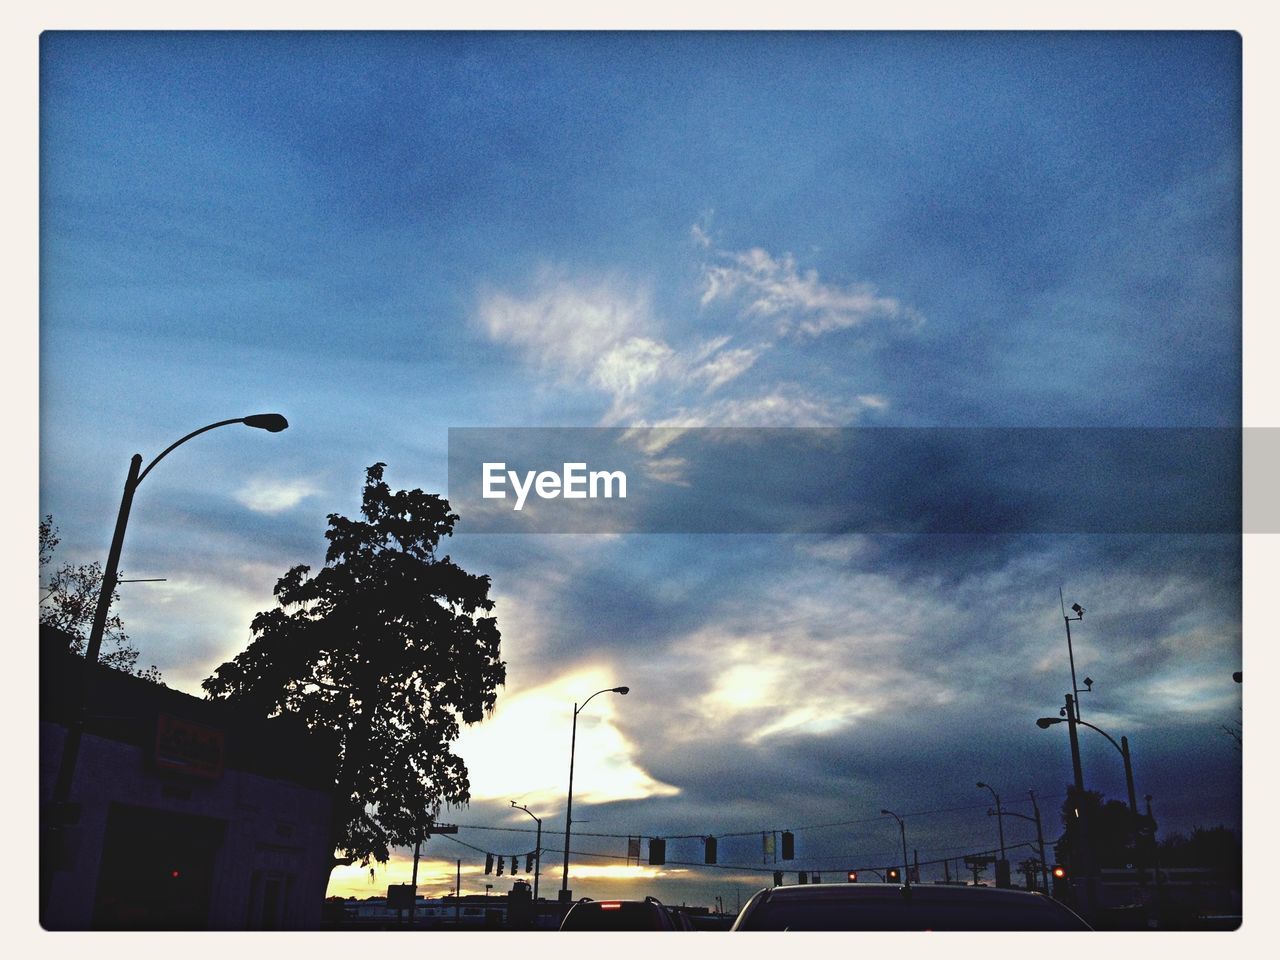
(922, 891)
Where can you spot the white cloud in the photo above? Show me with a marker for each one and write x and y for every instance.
(626, 368)
(775, 288)
(266, 495)
(602, 333)
(568, 325)
(506, 754)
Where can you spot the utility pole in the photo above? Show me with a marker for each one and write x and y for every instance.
(1076, 769)
(1079, 611)
(537, 855)
(457, 897)
(417, 850)
(1044, 866)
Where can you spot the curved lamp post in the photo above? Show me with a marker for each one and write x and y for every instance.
(1044, 723)
(906, 868)
(271, 422)
(61, 813)
(537, 848)
(1044, 866)
(999, 815)
(568, 812)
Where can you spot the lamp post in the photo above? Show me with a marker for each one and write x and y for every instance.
(62, 814)
(537, 849)
(902, 827)
(568, 811)
(1044, 723)
(999, 815)
(1044, 867)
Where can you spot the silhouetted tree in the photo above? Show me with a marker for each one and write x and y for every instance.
(1216, 848)
(387, 650)
(1109, 829)
(69, 599)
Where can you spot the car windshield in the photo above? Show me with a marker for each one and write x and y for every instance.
(894, 912)
(614, 916)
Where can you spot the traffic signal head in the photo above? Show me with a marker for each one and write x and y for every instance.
(892, 875)
(853, 876)
(657, 852)
(1059, 872)
(788, 845)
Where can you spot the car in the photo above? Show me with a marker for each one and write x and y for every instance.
(888, 906)
(646, 914)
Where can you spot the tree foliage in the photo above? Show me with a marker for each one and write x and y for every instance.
(1215, 847)
(69, 599)
(1108, 827)
(388, 648)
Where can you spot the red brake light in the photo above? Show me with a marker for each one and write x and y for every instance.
(611, 905)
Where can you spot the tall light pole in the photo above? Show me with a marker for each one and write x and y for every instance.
(1044, 723)
(537, 849)
(568, 810)
(1044, 868)
(1079, 615)
(902, 827)
(999, 816)
(62, 814)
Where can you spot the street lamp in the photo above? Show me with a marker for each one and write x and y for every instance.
(999, 815)
(568, 812)
(1044, 723)
(1044, 867)
(62, 814)
(906, 870)
(537, 849)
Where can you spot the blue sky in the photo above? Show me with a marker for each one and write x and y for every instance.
(383, 236)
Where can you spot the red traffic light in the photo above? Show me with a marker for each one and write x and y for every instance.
(853, 876)
(1059, 872)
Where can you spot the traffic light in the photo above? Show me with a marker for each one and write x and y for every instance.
(804, 876)
(657, 852)
(528, 863)
(853, 876)
(1060, 889)
(788, 845)
(891, 874)
(488, 863)
(515, 864)
(709, 850)
(499, 866)
(777, 878)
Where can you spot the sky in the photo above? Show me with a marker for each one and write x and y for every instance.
(384, 236)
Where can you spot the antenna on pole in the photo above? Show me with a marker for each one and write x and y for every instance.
(1061, 601)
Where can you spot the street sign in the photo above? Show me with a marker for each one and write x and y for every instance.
(401, 896)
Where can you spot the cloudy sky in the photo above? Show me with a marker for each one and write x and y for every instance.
(385, 236)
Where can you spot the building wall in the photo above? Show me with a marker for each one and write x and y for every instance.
(276, 839)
